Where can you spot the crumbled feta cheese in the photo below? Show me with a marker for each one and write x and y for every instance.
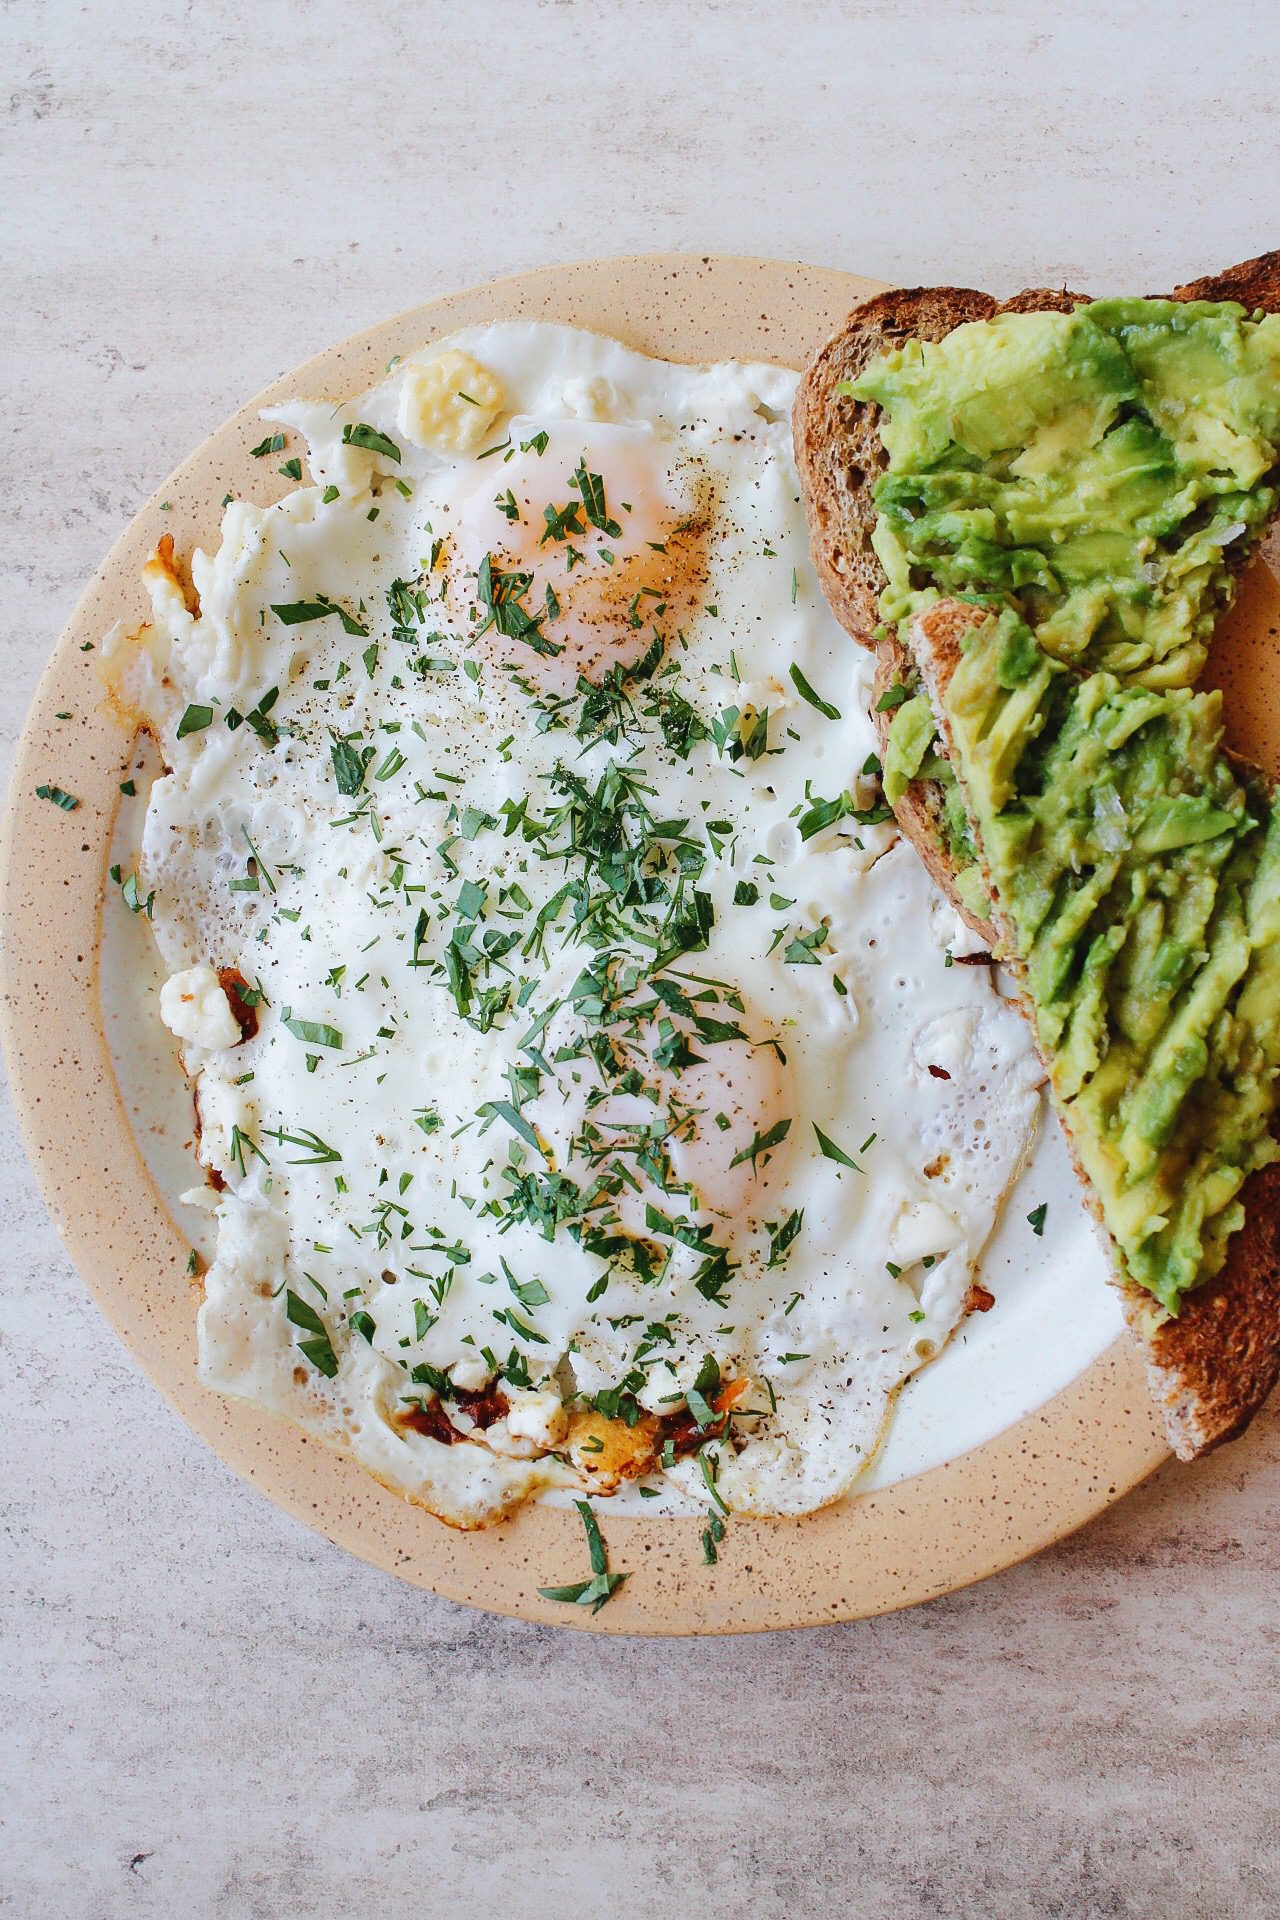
(592, 399)
(448, 402)
(945, 1043)
(196, 1010)
(535, 1421)
(470, 1373)
(922, 1228)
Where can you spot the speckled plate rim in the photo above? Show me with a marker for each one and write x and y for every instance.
(895, 1547)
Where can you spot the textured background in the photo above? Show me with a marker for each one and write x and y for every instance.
(207, 1711)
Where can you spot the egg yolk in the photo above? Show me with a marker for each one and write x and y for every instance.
(573, 560)
(689, 1127)
(733, 1099)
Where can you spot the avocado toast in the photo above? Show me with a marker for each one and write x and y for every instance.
(841, 458)
(1064, 500)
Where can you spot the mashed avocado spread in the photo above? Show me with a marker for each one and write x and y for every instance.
(1140, 877)
(1091, 478)
(1091, 470)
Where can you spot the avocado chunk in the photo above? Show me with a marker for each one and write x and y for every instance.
(1138, 875)
(912, 753)
(911, 734)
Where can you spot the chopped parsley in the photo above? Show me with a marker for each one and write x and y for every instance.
(315, 1151)
(349, 765)
(58, 795)
(195, 720)
(591, 487)
(295, 613)
(831, 1151)
(602, 1584)
(762, 1145)
(362, 435)
(806, 692)
(319, 1348)
(316, 1033)
(783, 1235)
(130, 895)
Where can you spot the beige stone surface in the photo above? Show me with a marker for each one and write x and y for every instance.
(206, 1710)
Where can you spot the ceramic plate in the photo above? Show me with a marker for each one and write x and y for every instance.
(1036, 1416)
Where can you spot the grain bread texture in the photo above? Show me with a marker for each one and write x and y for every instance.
(1211, 1368)
(839, 457)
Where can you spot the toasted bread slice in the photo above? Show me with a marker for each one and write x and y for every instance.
(837, 440)
(839, 456)
(1211, 1368)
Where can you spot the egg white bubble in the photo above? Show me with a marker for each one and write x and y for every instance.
(377, 1136)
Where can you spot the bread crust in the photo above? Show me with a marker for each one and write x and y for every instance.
(1254, 283)
(1211, 1368)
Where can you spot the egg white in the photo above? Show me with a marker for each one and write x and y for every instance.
(368, 1153)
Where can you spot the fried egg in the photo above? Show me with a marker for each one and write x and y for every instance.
(587, 1091)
